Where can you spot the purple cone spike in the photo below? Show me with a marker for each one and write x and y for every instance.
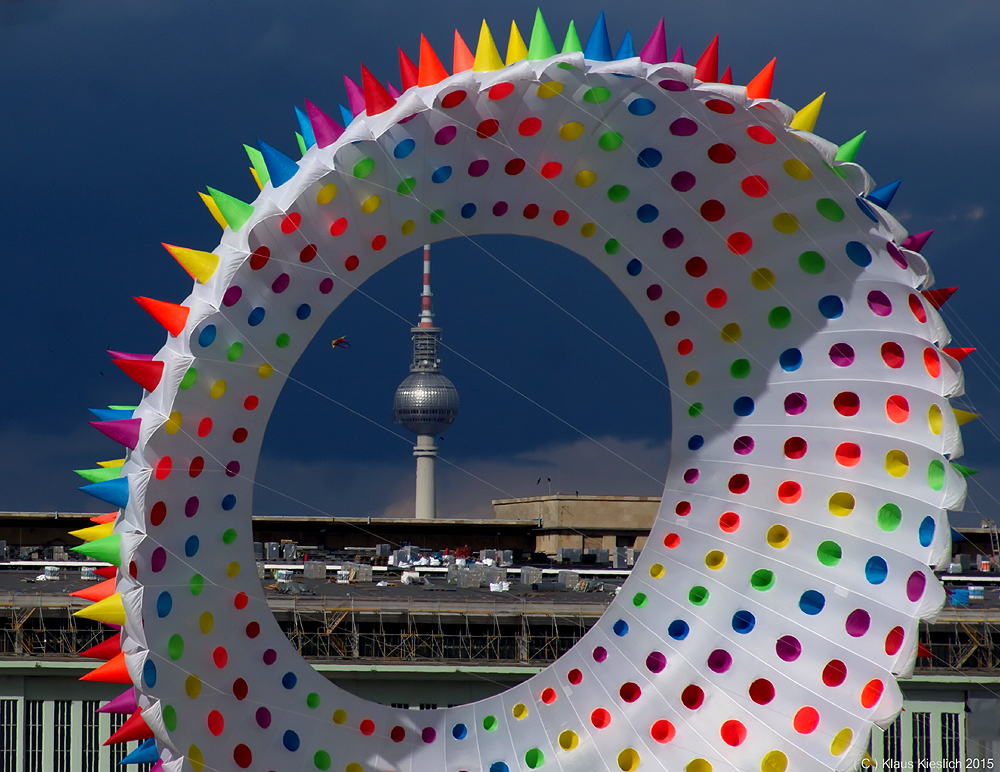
(679, 55)
(394, 92)
(326, 129)
(125, 431)
(355, 96)
(916, 241)
(655, 50)
(123, 355)
(123, 703)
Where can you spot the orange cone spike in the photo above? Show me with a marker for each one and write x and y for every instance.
(172, 316)
(464, 58)
(431, 69)
(96, 592)
(113, 671)
(760, 86)
(377, 99)
(106, 649)
(134, 728)
(707, 69)
(102, 519)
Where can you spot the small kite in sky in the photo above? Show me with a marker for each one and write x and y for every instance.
(341, 342)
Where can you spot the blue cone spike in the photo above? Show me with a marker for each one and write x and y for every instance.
(107, 414)
(626, 50)
(113, 492)
(598, 46)
(279, 166)
(883, 196)
(346, 115)
(144, 754)
(305, 127)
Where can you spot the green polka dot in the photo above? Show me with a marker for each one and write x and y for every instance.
(695, 409)
(740, 368)
(235, 352)
(437, 216)
(322, 760)
(197, 584)
(567, 66)
(828, 553)
(762, 579)
(406, 187)
(282, 340)
(830, 209)
(175, 647)
(698, 595)
(889, 517)
(935, 475)
(611, 246)
(364, 167)
(812, 262)
(169, 717)
(617, 193)
(534, 758)
(779, 317)
(610, 140)
(229, 536)
(490, 723)
(640, 600)
(189, 378)
(596, 95)
(312, 700)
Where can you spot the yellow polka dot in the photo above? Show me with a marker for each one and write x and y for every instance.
(218, 389)
(371, 204)
(233, 570)
(698, 765)
(520, 711)
(778, 536)
(796, 169)
(586, 178)
(934, 419)
(715, 559)
(265, 370)
(762, 278)
(571, 131)
(731, 332)
(326, 194)
(354, 767)
(628, 760)
(408, 227)
(656, 571)
(774, 761)
(192, 686)
(173, 424)
(206, 622)
(896, 463)
(841, 504)
(841, 742)
(195, 758)
(549, 89)
(339, 716)
(692, 378)
(568, 740)
(785, 223)
(588, 229)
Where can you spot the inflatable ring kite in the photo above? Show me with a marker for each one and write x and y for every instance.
(806, 498)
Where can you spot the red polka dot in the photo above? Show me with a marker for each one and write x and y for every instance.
(806, 720)
(240, 435)
(501, 91)
(338, 227)
(683, 508)
(671, 318)
(739, 243)
(378, 243)
(574, 676)
(454, 99)
(685, 347)
(367, 727)
(716, 298)
(847, 403)
(892, 355)
(530, 211)
(897, 409)
(795, 447)
(834, 673)
(240, 689)
(259, 258)
(529, 127)
(242, 756)
(733, 732)
(197, 466)
(551, 169)
(718, 106)
(662, 731)
(894, 641)
(713, 210)
(755, 186)
(722, 153)
(397, 734)
(671, 540)
(761, 691)
(163, 468)
(872, 693)
(158, 513)
(133, 569)
(487, 128)
(729, 522)
(692, 697)
(739, 483)
(251, 402)
(696, 267)
(789, 492)
(514, 166)
(549, 696)
(932, 362)
(240, 601)
(760, 134)
(220, 657)
(848, 454)
(352, 262)
(630, 691)
(917, 308)
(600, 718)
(253, 630)
(291, 223)
(561, 217)
(308, 253)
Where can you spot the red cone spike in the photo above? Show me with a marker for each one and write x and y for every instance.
(377, 99)
(171, 315)
(958, 354)
(146, 373)
(655, 50)
(113, 671)
(326, 130)
(707, 68)
(408, 72)
(916, 241)
(938, 297)
(134, 728)
(727, 77)
(96, 592)
(107, 572)
(431, 70)
(760, 86)
(106, 649)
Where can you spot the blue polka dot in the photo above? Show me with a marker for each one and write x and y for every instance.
(163, 604)
(790, 360)
(207, 336)
(743, 406)
(620, 627)
(678, 630)
(290, 740)
(876, 570)
(404, 148)
(191, 546)
(288, 680)
(441, 174)
(926, 531)
(149, 673)
(812, 602)
(459, 731)
(743, 622)
(302, 312)
(647, 213)
(228, 502)
(641, 106)
(468, 210)
(831, 307)
(634, 267)
(256, 316)
(858, 253)
(499, 766)
(695, 442)
(866, 210)
(649, 158)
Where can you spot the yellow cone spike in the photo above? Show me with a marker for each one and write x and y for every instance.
(93, 532)
(487, 57)
(964, 416)
(256, 178)
(516, 49)
(201, 265)
(110, 464)
(111, 610)
(805, 119)
(214, 209)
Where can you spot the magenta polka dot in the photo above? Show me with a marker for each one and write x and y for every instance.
(270, 657)
(280, 284)
(326, 286)
(683, 127)
(842, 355)
(795, 403)
(445, 135)
(232, 468)
(673, 85)
(479, 167)
(691, 475)
(858, 622)
(654, 292)
(788, 648)
(879, 303)
(673, 238)
(600, 654)
(232, 296)
(719, 661)
(158, 560)
(428, 735)
(682, 182)
(263, 718)
(500, 208)
(915, 586)
(655, 662)
(897, 257)
(743, 445)
(191, 507)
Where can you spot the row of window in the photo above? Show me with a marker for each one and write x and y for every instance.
(951, 739)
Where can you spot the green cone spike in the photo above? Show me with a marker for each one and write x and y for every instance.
(108, 549)
(965, 471)
(572, 44)
(235, 211)
(849, 150)
(541, 46)
(100, 474)
(257, 159)
(302, 143)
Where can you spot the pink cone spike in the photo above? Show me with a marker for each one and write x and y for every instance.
(678, 55)
(124, 355)
(355, 96)
(393, 91)
(655, 50)
(326, 129)
(125, 431)
(916, 241)
(123, 703)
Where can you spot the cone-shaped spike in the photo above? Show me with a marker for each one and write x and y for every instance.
(627, 49)
(655, 50)
(916, 241)
(883, 196)
(200, 265)
(408, 72)
(106, 550)
(110, 415)
(487, 56)
(134, 728)
(125, 432)
(707, 68)
(146, 753)
(235, 212)
(541, 46)
(300, 140)
(958, 354)
(431, 70)
(108, 518)
(305, 127)
(172, 316)
(727, 77)
(280, 167)
(345, 115)
(678, 57)
(126, 355)
(105, 649)
(100, 474)
(106, 572)
(394, 92)
(326, 130)
(114, 492)
(118, 462)
(849, 150)
(94, 593)
(146, 374)
(571, 43)
(123, 703)
(256, 177)
(516, 49)
(213, 207)
(965, 471)
(94, 532)
(377, 99)
(462, 59)
(355, 96)
(760, 86)
(938, 297)
(805, 119)
(114, 671)
(111, 610)
(598, 46)
(261, 175)
(964, 416)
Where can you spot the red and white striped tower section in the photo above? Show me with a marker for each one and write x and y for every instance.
(426, 402)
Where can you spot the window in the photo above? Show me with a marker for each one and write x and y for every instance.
(61, 750)
(892, 746)
(400, 705)
(921, 738)
(8, 734)
(33, 736)
(951, 735)
(91, 736)
(428, 706)
(119, 750)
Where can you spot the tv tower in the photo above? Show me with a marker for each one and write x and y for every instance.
(426, 402)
